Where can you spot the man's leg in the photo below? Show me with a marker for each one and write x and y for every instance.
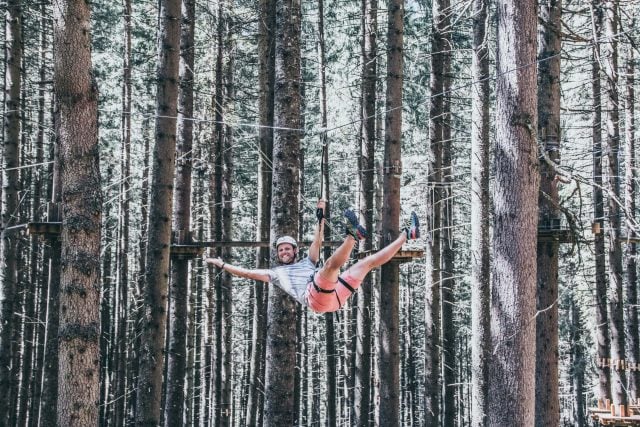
(360, 269)
(331, 268)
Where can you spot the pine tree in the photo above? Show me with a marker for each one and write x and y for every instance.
(362, 371)
(480, 245)
(389, 362)
(266, 46)
(603, 340)
(609, 54)
(81, 216)
(9, 203)
(547, 400)
(512, 380)
(280, 344)
(160, 207)
(176, 369)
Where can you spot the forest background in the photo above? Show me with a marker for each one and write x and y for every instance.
(426, 356)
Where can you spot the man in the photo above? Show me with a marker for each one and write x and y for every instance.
(326, 289)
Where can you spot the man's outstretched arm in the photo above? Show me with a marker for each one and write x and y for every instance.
(314, 249)
(253, 274)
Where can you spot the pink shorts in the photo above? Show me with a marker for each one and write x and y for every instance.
(324, 296)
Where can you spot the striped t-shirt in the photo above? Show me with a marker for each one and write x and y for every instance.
(293, 278)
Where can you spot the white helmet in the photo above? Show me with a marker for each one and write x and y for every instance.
(286, 239)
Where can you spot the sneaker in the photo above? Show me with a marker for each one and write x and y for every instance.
(413, 231)
(353, 227)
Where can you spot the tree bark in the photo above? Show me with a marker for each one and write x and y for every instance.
(281, 345)
(329, 318)
(122, 306)
(447, 288)
(577, 363)
(159, 237)
(512, 371)
(266, 46)
(434, 216)
(632, 248)
(107, 304)
(49, 400)
(603, 340)
(616, 319)
(79, 331)
(362, 374)
(142, 259)
(227, 226)
(176, 369)
(40, 328)
(480, 205)
(9, 202)
(549, 45)
(389, 293)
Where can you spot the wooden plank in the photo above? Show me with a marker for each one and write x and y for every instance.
(563, 235)
(401, 256)
(607, 419)
(44, 228)
(186, 251)
(629, 239)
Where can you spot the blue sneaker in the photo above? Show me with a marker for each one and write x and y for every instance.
(413, 231)
(353, 227)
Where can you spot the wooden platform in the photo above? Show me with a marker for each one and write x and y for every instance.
(400, 257)
(563, 235)
(47, 229)
(607, 414)
(186, 251)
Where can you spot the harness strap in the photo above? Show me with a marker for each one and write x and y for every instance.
(332, 291)
(345, 284)
(319, 289)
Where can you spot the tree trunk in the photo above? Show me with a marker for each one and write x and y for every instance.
(219, 200)
(176, 369)
(49, 399)
(122, 310)
(30, 331)
(632, 248)
(142, 258)
(549, 45)
(603, 340)
(447, 288)
(434, 249)
(362, 374)
(329, 318)
(9, 202)
(616, 319)
(157, 257)
(40, 183)
(577, 364)
(79, 331)
(227, 226)
(512, 372)
(389, 317)
(281, 345)
(266, 46)
(199, 326)
(480, 205)
(107, 304)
